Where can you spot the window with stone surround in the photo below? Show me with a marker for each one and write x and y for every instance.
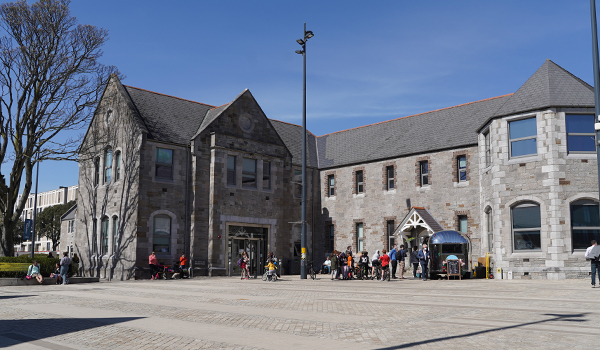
(115, 234)
(526, 226)
(360, 184)
(164, 164)
(331, 185)
(249, 173)
(389, 172)
(104, 236)
(461, 168)
(108, 154)
(266, 175)
(94, 236)
(581, 135)
(231, 170)
(488, 150)
(523, 137)
(161, 235)
(585, 223)
(360, 237)
(489, 220)
(424, 173)
(463, 223)
(117, 165)
(96, 171)
(391, 226)
(298, 183)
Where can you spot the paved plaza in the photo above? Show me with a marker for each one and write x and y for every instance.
(228, 313)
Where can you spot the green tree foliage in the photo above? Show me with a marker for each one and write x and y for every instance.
(48, 222)
(50, 82)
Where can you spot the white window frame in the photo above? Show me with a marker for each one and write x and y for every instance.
(487, 149)
(539, 228)
(331, 185)
(461, 170)
(389, 173)
(360, 183)
(590, 134)
(510, 141)
(423, 175)
(360, 237)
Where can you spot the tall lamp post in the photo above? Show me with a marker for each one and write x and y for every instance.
(307, 35)
(596, 81)
(37, 176)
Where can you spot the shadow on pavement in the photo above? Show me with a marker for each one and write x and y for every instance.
(2, 297)
(34, 330)
(555, 317)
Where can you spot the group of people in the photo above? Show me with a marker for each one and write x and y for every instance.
(61, 270)
(342, 265)
(155, 267)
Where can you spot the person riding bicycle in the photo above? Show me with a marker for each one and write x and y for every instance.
(271, 267)
(363, 264)
(375, 262)
(385, 264)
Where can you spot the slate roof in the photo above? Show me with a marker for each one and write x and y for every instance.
(70, 214)
(429, 219)
(291, 135)
(446, 128)
(168, 118)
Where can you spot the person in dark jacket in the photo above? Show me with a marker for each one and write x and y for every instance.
(334, 265)
(414, 260)
(424, 257)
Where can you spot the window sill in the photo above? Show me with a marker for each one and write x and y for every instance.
(424, 188)
(329, 198)
(581, 156)
(393, 191)
(461, 184)
(358, 195)
(524, 254)
(166, 181)
(524, 159)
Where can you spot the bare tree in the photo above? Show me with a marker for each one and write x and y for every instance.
(50, 82)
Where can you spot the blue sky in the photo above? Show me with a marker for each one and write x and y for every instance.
(368, 61)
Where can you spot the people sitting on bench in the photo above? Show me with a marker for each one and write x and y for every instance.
(34, 272)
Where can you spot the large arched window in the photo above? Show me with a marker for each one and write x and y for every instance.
(526, 226)
(585, 223)
(107, 165)
(161, 240)
(104, 236)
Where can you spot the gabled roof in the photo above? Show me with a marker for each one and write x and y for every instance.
(550, 86)
(168, 118)
(70, 214)
(419, 217)
(451, 127)
(291, 135)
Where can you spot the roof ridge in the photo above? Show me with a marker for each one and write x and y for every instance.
(572, 75)
(276, 120)
(415, 115)
(179, 98)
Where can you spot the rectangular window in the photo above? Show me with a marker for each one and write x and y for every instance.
(297, 183)
(48, 246)
(266, 175)
(585, 223)
(118, 165)
(526, 225)
(462, 223)
(389, 171)
(104, 235)
(331, 236)
(231, 173)
(108, 166)
(249, 173)
(94, 236)
(161, 237)
(96, 171)
(424, 172)
(331, 185)
(115, 235)
(164, 163)
(360, 185)
(391, 226)
(488, 150)
(359, 237)
(581, 135)
(461, 165)
(523, 137)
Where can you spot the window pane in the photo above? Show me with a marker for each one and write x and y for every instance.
(108, 159)
(527, 240)
(359, 230)
(581, 143)
(267, 175)
(523, 128)
(585, 216)
(523, 147)
(249, 165)
(582, 238)
(360, 246)
(526, 217)
(463, 175)
(424, 168)
(231, 162)
(162, 226)
(164, 156)
(580, 123)
(331, 180)
(425, 181)
(463, 224)
(359, 176)
(164, 171)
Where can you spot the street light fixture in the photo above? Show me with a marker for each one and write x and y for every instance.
(307, 35)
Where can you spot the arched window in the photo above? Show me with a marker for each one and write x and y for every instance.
(161, 240)
(489, 223)
(104, 236)
(96, 171)
(115, 234)
(94, 236)
(585, 223)
(526, 226)
(107, 165)
(117, 165)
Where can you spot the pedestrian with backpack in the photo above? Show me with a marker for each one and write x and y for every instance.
(393, 260)
(401, 258)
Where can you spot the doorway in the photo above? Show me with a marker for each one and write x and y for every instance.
(252, 240)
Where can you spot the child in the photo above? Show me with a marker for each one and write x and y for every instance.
(271, 268)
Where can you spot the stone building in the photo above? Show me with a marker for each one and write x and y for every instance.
(515, 173)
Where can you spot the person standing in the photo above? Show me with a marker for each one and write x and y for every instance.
(593, 253)
(334, 265)
(414, 260)
(153, 263)
(393, 260)
(65, 263)
(385, 262)
(401, 257)
(182, 263)
(423, 260)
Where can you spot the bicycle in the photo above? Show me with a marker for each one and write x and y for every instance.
(386, 273)
(377, 274)
(311, 271)
(362, 272)
(265, 276)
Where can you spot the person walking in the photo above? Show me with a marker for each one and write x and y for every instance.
(153, 264)
(334, 265)
(393, 260)
(593, 253)
(424, 260)
(75, 262)
(401, 257)
(65, 263)
(414, 260)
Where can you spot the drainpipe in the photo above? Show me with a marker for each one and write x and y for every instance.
(187, 234)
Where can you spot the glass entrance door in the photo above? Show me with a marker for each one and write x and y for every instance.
(252, 240)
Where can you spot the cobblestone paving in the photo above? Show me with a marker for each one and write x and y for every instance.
(226, 313)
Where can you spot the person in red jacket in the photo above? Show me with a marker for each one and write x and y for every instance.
(385, 263)
(182, 263)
